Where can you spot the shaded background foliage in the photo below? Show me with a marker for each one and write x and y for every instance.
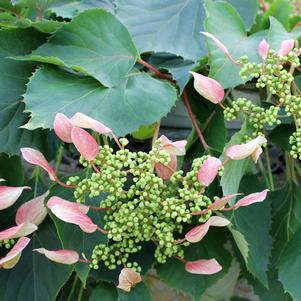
(52, 60)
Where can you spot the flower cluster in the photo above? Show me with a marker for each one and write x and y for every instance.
(275, 73)
(144, 197)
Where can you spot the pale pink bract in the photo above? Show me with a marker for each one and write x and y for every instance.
(62, 127)
(285, 47)
(84, 143)
(263, 49)
(242, 151)
(33, 211)
(203, 267)
(13, 256)
(37, 158)
(9, 195)
(73, 214)
(209, 170)
(208, 87)
(60, 256)
(198, 233)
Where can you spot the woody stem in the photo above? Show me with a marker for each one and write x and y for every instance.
(194, 122)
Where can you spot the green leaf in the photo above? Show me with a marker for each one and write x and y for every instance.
(254, 223)
(68, 9)
(280, 10)
(280, 135)
(174, 274)
(104, 292)
(226, 24)
(138, 293)
(177, 66)
(11, 170)
(298, 81)
(144, 132)
(94, 43)
(275, 292)
(277, 34)
(289, 266)
(138, 100)
(13, 78)
(171, 26)
(286, 217)
(46, 26)
(224, 288)
(247, 10)
(241, 242)
(75, 239)
(35, 278)
(235, 169)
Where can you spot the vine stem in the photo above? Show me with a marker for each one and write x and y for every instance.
(156, 71)
(72, 288)
(59, 159)
(263, 171)
(194, 122)
(80, 294)
(190, 113)
(156, 133)
(267, 157)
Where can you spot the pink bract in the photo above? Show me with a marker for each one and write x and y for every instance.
(13, 256)
(18, 231)
(9, 195)
(199, 232)
(242, 151)
(83, 121)
(263, 49)
(203, 267)
(71, 214)
(33, 211)
(208, 87)
(84, 143)
(37, 158)
(60, 256)
(285, 47)
(62, 127)
(209, 170)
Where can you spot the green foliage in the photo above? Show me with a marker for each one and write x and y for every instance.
(105, 292)
(288, 266)
(226, 24)
(11, 170)
(14, 75)
(86, 56)
(94, 43)
(123, 108)
(28, 278)
(72, 238)
(171, 26)
(243, 221)
(235, 170)
(173, 272)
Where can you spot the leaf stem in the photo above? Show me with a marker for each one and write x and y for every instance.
(156, 133)
(267, 157)
(156, 71)
(80, 294)
(192, 117)
(72, 288)
(59, 158)
(263, 172)
(194, 122)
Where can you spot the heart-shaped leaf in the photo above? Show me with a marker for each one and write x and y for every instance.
(94, 43)
(138, 100)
